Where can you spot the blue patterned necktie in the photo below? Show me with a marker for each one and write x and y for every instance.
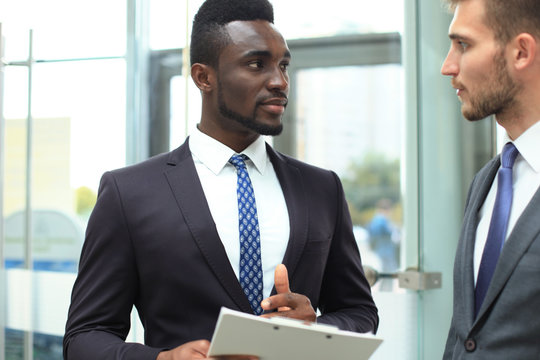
(498, 226)
(251, 278)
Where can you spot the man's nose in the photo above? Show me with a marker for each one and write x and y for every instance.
(449, 66)
(279, 79)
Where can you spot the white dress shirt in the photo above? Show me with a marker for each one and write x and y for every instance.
(218, 178)
(526, 181)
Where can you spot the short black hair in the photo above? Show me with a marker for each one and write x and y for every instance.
(208, 36)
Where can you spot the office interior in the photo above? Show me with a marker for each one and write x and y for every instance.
(87, 87)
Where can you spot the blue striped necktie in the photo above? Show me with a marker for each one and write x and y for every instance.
(498, 226)
(251, 277)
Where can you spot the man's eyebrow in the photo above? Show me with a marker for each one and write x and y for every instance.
(454, 36)
(265, 53)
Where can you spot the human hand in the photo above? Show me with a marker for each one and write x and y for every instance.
(288, 304)
(197, 350)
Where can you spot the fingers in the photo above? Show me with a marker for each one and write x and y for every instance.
(281, 279)
(291, 305)
(288, 304)
(282, 302)
(281, 282)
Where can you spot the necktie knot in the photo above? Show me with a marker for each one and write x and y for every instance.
(239, 161)
(508, 156)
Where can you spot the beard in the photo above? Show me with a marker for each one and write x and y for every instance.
(497, 95)
(248, 122)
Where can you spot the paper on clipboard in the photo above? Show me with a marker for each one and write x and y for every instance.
(277, 338)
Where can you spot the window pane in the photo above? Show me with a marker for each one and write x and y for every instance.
(349, 120)
(15, 39)
(14, 194)
(78, 132)
(303, 19)
(169, 22)
(89, 98)
(65, 28)
(184, 105)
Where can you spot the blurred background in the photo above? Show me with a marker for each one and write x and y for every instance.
(87, 87)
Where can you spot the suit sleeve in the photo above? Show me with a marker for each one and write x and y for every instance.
(106, 286)
(345, 299)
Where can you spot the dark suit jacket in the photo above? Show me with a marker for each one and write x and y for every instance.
(508, 324)
(151, 242)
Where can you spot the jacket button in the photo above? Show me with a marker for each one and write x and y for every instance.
(470, 345)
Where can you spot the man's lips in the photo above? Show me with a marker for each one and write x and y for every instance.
(459, 88)
(275, 105)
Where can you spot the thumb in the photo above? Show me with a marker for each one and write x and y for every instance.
(281, 279)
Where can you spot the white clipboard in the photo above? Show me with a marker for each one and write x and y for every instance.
(279, 338)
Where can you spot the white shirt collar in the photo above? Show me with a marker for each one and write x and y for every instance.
(215, 155)
(528, 145)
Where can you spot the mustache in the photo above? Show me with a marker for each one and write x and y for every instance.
(456, 84)
(276, 95)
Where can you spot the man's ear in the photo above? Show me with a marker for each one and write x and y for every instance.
(524, 51)
(204, 77)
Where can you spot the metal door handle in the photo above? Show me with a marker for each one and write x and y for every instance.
(409, 279)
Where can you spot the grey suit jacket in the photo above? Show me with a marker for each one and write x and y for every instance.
(508, 324)
(151, 242)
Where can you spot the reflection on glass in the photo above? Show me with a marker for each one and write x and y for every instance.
(349, 120)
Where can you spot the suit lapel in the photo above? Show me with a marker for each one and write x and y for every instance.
(479, 193)
(524, 233)
(291, 183)
(187, 189)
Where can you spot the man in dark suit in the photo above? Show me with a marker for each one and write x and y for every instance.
(164, 234)
(494, 61)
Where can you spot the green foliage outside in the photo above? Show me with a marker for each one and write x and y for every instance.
(367, 181)
(85, 199)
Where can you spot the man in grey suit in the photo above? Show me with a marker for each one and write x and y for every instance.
(165, 234)
(494, 62)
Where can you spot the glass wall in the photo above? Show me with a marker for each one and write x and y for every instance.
(64, 124)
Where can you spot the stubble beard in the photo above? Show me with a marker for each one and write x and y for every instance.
(248, 122)
(497, 96)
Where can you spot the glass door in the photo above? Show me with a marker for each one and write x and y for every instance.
(351, 119)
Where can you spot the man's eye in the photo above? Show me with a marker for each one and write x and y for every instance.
(463, 45)
(256, 64)
(284, 66)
